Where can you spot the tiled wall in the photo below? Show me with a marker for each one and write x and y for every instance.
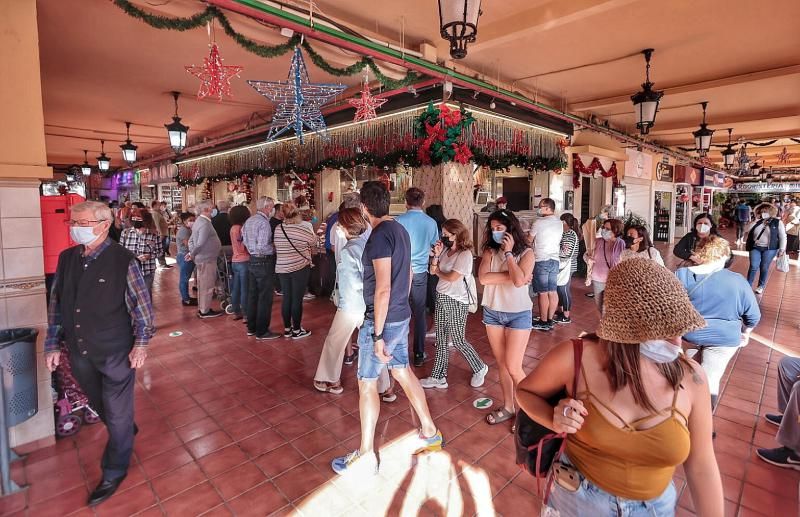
(22, 289)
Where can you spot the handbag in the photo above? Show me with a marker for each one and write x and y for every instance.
(472, 293)
(538, 447)
(783, 263)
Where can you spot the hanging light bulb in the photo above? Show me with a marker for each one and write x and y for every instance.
(103, 161)
(702, 137)
(492, 105)
(128, 149)
(729, 153)
(177, 132)
(86, 169)
(645, 102)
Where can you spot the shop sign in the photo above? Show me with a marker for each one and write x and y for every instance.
(687, 174)
(639, 165)
(665, 172)
(719, 180)
(761, 187)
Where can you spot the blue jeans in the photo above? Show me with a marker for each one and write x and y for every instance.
(239, 288)
(186, 270)
(395, 337)
(590, 499)
(760, 259)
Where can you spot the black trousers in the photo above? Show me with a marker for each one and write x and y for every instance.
(328, 273)
(293, 286)
(259, 294)
(109, 384)
(417, 298)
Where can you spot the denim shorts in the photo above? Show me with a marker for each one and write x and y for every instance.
(545, 276)
(510, 320)
(395, 335)
(590, 499)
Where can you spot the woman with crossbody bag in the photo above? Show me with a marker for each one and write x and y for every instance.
(607, 252)
(765, 240)
(294, 245)
(640, 410)
(452, 264)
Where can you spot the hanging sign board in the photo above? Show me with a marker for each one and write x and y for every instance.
(665, 172)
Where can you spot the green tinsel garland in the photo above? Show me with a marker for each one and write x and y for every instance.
(266, 51)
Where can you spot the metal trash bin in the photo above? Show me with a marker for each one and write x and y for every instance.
(18, 361)
(19, 399)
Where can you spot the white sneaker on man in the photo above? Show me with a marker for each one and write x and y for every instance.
(431, 382)
(479, 376)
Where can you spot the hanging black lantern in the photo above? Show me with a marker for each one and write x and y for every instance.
(702, 137)
(729, 153)
(86, 169)
(458, 20)
(177, 132)
(645, 102)
(103, 161)
(128, 149)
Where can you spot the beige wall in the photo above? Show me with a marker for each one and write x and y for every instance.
(23, 161)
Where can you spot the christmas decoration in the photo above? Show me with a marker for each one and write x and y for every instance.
(438, 131)
(784, 156)
(215, 78)
(298, 100)
(247, 187)
(366, 104)
(206, 193)
(578, 169)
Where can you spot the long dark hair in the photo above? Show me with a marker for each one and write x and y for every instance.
(510, 221)
(572, 223)
(436, 212)
(646, 243)
(704, 215)
(238, 215)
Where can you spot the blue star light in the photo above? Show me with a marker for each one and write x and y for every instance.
(298, 100)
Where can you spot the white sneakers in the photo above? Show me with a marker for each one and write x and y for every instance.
(430, 382)
(477, 378)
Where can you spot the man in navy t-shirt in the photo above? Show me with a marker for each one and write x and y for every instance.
(383, 338)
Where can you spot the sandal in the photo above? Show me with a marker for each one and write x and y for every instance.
(499, 415)
(328, 387)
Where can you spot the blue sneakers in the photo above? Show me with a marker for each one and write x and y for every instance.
(433, 444)
(354, 462)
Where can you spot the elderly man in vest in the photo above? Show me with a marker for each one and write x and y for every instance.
(100, 306)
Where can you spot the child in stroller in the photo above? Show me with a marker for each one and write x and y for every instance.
(71, 406)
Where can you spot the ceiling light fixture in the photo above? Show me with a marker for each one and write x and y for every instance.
(492, 105)
(645, 102)
(103, 161)
(177, 132)
(702, 137)
(128, 149)
(86, 169)
(475, 95)
(458, 22)
(729, 153)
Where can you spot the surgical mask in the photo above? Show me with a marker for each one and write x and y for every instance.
(214, 212)
(447, 243)
(82, 234)
(703, 228)
(628, 241)
(497, 236)
(138, 224)
(539, 212)
(314, 220)
(764, 215)
(607, 234)
(660, 350)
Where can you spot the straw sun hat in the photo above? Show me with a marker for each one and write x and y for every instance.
(645, 301)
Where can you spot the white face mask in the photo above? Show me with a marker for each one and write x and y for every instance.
(660, 350)
(764, 215)
(703, 228)
(607, 234)
(82, 234)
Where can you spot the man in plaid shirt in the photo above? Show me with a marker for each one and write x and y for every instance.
(144, 243)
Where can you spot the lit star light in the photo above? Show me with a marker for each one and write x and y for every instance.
(366, 104)
(215, 78)
(298, 100)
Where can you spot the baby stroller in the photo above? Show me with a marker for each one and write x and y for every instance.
(72, 408)
(224, 280)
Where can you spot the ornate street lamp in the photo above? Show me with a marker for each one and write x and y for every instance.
(645, 102)
(103, 161)
(86, 169)
(729, 153)
(128, 149)
(458, 20)
(702, 137)
(177, 132)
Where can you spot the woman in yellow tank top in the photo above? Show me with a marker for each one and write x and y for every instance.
(641, 409)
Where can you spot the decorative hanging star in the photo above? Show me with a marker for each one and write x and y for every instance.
(784, 156)
(366, 104)
(215, 78)
(298, 100)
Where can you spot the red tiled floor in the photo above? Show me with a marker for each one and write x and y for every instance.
(233, 426)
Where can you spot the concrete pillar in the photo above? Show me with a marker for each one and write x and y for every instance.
(23, 161)
(449, 185)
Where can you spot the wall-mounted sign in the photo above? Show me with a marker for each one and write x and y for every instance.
(687, 174)
(664, 172)
(639, 165)
(767, 187)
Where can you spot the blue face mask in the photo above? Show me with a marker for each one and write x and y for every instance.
(497, 236)
(314, 220)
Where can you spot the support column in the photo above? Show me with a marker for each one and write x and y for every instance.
(449, 185)
(23, 162)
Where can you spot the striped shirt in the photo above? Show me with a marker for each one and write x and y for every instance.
(294, 244)
(569, 250)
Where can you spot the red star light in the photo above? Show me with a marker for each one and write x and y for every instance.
(215, 78)
(366, 104)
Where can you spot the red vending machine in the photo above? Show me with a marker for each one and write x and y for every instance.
(55, 231)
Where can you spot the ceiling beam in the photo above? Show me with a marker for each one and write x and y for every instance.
(721, 122)
(539, 19)
(721, 82)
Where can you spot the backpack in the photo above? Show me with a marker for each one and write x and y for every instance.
(538, 447)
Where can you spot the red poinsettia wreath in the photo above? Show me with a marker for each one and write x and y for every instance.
(438, 130)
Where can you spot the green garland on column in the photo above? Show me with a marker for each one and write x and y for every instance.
(266, 51)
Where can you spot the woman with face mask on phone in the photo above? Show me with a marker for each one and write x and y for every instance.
(607, 252)
(505, 272)
(702, 229)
